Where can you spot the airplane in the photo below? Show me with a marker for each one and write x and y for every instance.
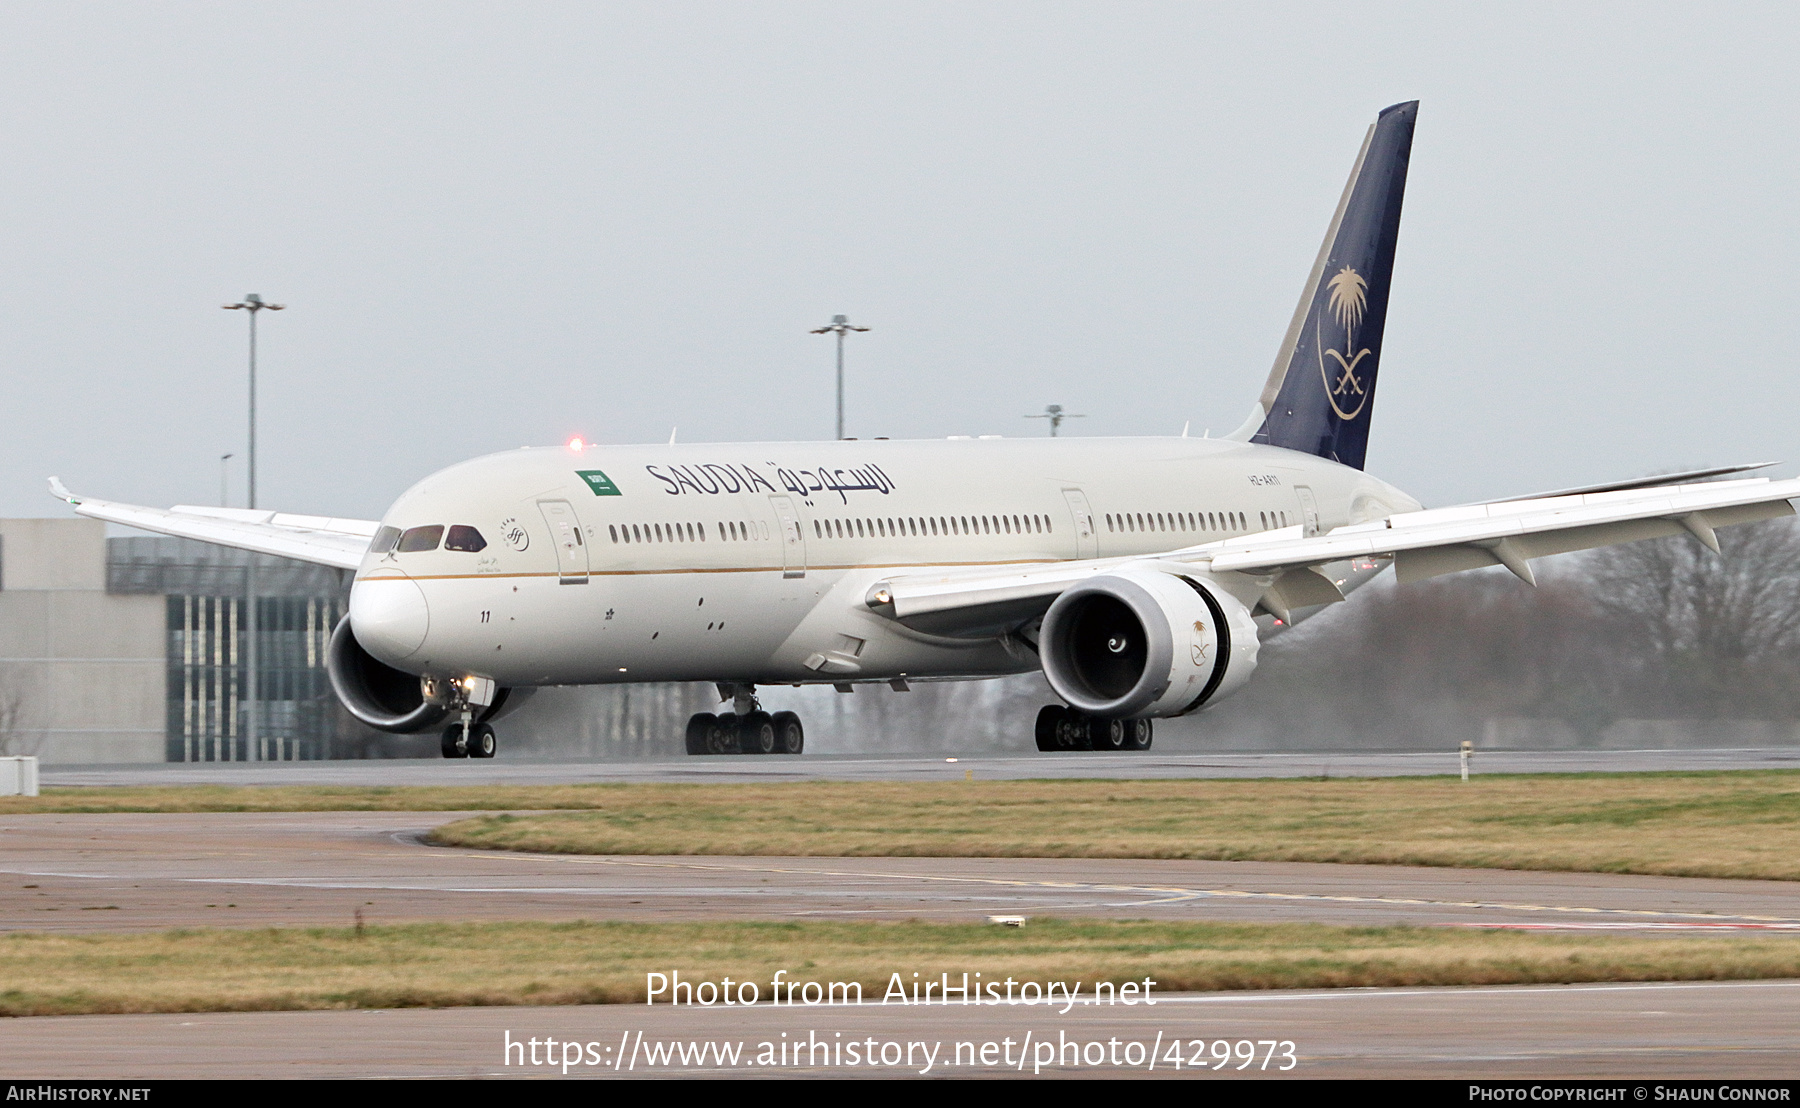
(1139, 574)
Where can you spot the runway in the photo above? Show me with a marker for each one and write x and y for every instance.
(73, 873)
(117, 872)
(871, 767)
(1730, 1030)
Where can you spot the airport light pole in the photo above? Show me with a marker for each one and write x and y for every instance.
(253, 304)
(224, 474)
(1055, 414)
(838, 326)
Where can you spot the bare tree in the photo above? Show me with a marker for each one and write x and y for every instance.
(16, 736)
(1715, 635)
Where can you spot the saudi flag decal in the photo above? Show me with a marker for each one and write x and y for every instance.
(599, 482)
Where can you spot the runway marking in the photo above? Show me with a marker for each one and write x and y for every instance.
(1522, 990)
(1173, 894)
(1696, 926)
(1154, 895)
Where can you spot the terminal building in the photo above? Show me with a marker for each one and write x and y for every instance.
(136, 650)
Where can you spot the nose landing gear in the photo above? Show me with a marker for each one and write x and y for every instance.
(1060, 728)
(465, 741)
(746, 729)
(475, 701)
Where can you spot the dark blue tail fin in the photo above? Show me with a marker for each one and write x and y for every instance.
(1321, 393)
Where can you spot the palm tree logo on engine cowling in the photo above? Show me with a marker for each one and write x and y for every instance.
(1348, 300)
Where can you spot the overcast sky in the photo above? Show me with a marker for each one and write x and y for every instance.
(501, 224)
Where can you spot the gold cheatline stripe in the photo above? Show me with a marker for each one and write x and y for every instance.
(735, 569)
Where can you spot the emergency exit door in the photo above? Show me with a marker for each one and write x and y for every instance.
(1087, 542)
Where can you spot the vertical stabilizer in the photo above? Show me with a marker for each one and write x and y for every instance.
(1321, 392)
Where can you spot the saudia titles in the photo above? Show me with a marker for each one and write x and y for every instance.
(714, 479)
(1348, 301)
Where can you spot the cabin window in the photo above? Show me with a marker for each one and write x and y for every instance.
(613, 530)
(417, 539)
(385, 540)
(464, 538)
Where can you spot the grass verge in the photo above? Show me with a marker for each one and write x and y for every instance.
(1717, 824)
(456, 964)
(1727, 824)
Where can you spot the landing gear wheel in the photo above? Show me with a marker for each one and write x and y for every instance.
(756, 733)
(1074, 732)
(482, 742)
(1050, 716)
(1140, 734)
(790, 737)
(699, 731)
(722, 736)
(454, 745)
(1110, 734)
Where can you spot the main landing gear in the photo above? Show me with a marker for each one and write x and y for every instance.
(746, 729)
(1060, 728)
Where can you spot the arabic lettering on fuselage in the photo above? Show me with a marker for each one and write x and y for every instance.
(713, 479)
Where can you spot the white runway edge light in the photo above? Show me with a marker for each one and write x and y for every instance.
(19, 775)
(1008, 921)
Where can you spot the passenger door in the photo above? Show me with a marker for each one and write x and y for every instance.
(565, 535)
(793, 539)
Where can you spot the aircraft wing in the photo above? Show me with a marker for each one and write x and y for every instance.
(1422, 544)
(322, 540)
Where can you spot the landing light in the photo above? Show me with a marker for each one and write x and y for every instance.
(576, 444)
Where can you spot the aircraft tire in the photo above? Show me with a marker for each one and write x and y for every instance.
(790, 736)
(1142, 731)
(722, 736)
(453, 745)
(756, 734)
(1110, 734)
(699, 729)
(1048, 718)
(482, 741)
(1075, 732)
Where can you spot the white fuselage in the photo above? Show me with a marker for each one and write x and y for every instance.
(751, 562)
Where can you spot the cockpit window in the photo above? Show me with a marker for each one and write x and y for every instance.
(421, 538)
(465, 538)
(385, 540)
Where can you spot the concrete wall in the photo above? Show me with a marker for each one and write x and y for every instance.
(82, 676)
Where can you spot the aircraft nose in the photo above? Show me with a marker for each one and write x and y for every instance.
(389, 616)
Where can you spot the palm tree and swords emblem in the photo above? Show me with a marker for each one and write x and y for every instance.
(1347, 302)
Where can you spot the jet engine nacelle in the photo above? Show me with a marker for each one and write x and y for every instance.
(376, 693)
(1143, 642)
